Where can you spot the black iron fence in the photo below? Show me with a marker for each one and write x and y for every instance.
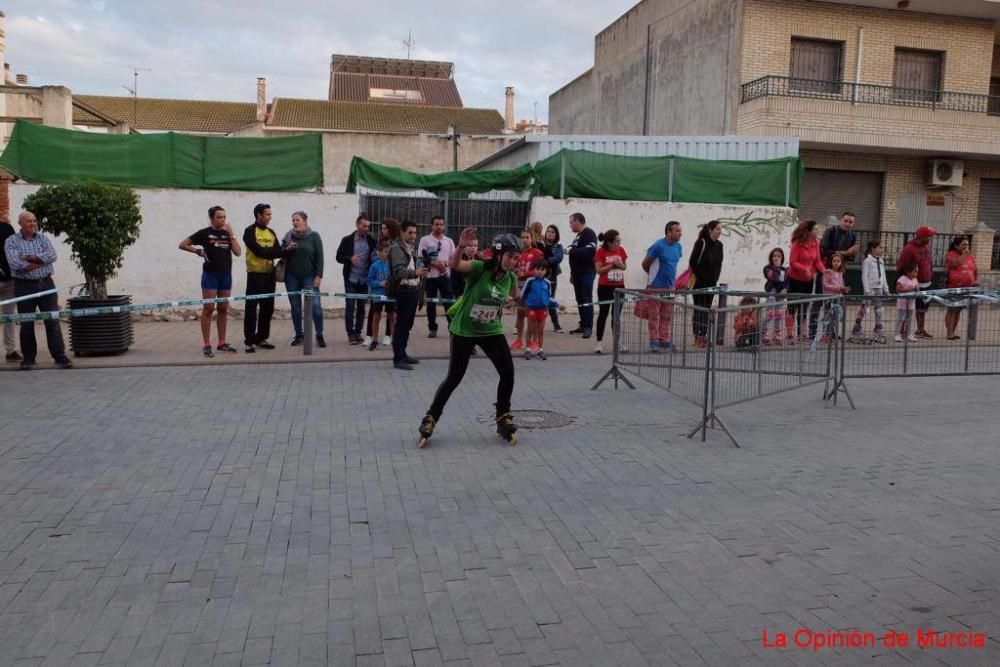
(893, 242)
(489, 216)
(868, 93)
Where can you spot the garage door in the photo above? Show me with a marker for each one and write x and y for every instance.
(829, 192)
(989, 202)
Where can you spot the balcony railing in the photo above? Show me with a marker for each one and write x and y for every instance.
(867, 93)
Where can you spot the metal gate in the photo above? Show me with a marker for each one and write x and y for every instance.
(491, 215)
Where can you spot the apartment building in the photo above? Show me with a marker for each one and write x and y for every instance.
(896, 103)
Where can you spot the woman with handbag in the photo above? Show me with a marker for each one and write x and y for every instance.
(706, 265)
(303, 268)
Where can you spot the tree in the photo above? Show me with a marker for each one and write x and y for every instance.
(100, 221)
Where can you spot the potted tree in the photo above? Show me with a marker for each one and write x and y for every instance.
(100, 221)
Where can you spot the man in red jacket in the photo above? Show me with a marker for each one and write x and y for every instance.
(919, 252)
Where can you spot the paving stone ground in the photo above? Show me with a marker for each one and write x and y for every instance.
(280, 514)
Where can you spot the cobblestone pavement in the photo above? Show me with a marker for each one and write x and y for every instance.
(259, 514)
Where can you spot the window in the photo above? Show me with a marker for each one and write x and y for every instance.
(993, 107)
(918, 75)
(816, 66)
(395, 95)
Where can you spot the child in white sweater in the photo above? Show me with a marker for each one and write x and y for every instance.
(875, 284)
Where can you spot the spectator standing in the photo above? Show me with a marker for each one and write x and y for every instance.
(435, 250)
(581, 253)
(216, 245)
(918, 251)
(874, 282)
(554, 253)
(304, 270)
(660, 262)
(804, 265)
(526, 260)
(840, 240)
(378, 279)
(776, 286)
(833, 285)
(262, 249)
(706, 264)
(610, 263)
(30, 256)
(355, 253)
(7, 292)
(536, 298)
(406, 276)
(962, 272)
(906, 283)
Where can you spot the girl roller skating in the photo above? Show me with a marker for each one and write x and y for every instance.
(475, 321)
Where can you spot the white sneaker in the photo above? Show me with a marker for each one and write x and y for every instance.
(368, 341)
(622, 347)
(898, 338)
(912, 338)
(386, 341)
(598, 349)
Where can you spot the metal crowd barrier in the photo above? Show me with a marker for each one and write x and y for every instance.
(717, 356)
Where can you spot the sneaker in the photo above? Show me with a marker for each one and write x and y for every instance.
(587, 333)
(28, 365)
(297, 341)
(622, 347)
(207, 351)
(516, 345)
(411, 361)
(527, 354)
(923, 334)
(386, 341)
(402, 365)
(264, 345)
(372, 345)
(576, 332)
(558, 329)
(534, 348)
(320, 341)
(14, 356)
(226, 347)
(541, 354)
(65, 363)
(432, 333)
(913, 338)
(898, 338)
(249, 349)
(353, 340)
(367, 342)
(668, 346)
(598, 349)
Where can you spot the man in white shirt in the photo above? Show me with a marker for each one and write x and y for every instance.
(436, 250)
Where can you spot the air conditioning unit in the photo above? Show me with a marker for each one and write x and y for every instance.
(946, 173)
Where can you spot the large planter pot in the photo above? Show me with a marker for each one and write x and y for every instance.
(109, 333)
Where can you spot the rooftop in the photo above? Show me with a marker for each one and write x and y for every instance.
(144, 113)
(376, 117)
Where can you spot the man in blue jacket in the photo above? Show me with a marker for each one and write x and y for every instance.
(582, 272)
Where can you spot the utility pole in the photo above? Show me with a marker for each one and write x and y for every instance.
(135, 87)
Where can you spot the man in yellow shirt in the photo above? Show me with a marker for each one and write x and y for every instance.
(262, 249)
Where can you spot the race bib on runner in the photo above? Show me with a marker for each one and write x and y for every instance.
(616, 276)
(484, 314)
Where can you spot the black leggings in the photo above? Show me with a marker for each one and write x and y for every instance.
(700, 319)
(605, 293)
(498, 351)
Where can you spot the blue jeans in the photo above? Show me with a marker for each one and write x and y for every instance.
(354, 318)
(294, 284)
(583, 291)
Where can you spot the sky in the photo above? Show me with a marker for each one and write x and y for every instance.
(216, 49)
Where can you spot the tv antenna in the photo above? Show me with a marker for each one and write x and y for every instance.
(409, 44)
(134, 90)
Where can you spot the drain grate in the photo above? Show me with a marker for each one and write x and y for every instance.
(535, 419)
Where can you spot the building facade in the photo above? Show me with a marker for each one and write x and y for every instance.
(896, 105)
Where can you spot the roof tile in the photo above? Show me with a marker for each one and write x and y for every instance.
(145, 113)
(378, 117)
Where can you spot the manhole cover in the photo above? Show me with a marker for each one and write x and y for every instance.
(535, 419)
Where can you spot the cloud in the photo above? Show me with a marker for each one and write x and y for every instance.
(215, 49)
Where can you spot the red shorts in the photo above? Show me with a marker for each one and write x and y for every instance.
(536, 314)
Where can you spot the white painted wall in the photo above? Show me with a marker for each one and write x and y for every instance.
(156, 270)
(749, 234)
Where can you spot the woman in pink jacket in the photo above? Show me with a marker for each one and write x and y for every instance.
(804, 265)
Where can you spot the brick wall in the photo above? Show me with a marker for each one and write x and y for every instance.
(908, 175)
(769, 26)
